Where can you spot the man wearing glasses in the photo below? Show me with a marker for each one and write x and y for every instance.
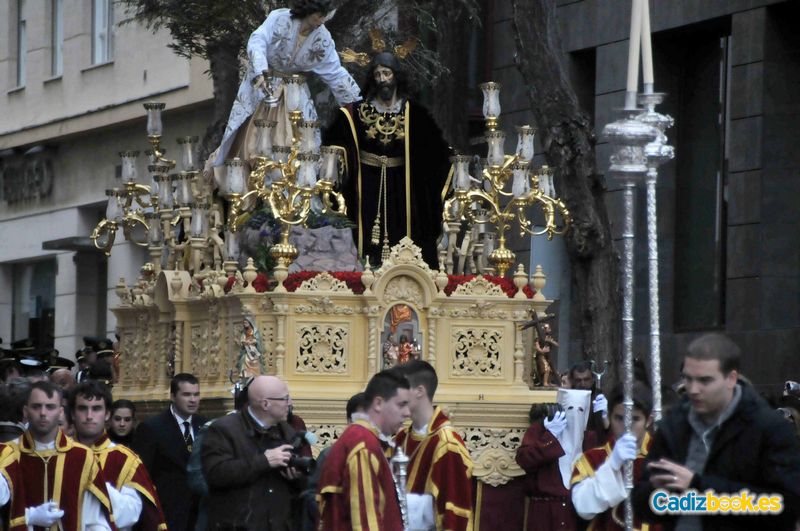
(245, 462)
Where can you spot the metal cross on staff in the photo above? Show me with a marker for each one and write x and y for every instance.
(598, 375)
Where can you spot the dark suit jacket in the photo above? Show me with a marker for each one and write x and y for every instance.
(159, 442)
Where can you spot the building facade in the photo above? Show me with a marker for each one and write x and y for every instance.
(71, 92)
(729, 226)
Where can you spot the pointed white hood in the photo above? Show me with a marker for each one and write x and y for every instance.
(576, 404)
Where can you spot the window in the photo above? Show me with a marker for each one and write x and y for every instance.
(102, 31)
(33, 300)
(700, 207)
(57, 37)
(22, 42)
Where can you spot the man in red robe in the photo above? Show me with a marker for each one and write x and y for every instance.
(547, 452)
(439, 463)
(598, 485)
(357, 489)
(59, 482)
(132, 494)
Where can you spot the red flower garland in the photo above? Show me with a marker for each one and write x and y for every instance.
(353, 281)
(506, 284)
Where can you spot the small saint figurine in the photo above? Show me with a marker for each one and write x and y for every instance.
(547, 376)
(390, 353)
(251, 352)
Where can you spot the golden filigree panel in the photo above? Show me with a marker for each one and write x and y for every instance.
(476, 352)
(493, 452)
(322, 349)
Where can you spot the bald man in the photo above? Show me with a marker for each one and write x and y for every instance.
(64, 379)
(245, 457)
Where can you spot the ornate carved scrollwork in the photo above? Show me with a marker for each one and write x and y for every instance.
(481, 287)
(322, 349)
(493, 451)
(324, 282)
(406, 289)
(476, 352)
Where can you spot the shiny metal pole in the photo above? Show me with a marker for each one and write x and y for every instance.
(657, 153)
(628, 164)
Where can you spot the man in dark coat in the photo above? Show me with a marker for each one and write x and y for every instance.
(164, 443)
(397, 160)
(245, 456)
(724, 438)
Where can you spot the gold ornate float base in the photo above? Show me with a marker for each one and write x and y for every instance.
(327, 341)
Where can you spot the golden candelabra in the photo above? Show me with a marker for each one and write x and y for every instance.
(174, 214)
(287, 180)
(487, 200)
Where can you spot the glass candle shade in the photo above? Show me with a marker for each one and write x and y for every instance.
(329, 169)
(114, 210)
(199, 224)
(154, 125)
(292, 86)
(496, 152)
(183, 193)
(154, 237)
(525, 135)
(188, 154)
(234, 181)
(129, 170)
(491, 99)
(309, 134)
(520, 183)
(461, 177)
(265, 130)
(307, 172)
(231, 246)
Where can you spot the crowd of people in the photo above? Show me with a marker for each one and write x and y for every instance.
(73, 458)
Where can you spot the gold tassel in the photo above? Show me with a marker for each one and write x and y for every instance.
(376, 231)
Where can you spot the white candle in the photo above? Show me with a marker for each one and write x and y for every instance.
(633, 46)
(647, 48)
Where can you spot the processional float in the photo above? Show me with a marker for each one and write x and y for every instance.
(323, 332)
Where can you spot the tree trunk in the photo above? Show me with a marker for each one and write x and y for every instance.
(568, 139)
(223, 59)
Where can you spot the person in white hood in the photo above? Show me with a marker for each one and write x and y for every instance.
(556, 438)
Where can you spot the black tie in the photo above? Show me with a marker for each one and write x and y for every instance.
(187, 435)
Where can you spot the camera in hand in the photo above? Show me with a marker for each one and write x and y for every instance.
(304, 464)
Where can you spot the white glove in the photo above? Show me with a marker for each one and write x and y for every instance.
(600, 405)
(420, 512)
(44, 515)
(557, 425)
(624, 450)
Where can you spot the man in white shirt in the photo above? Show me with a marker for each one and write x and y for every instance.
(77, 498)
(133, 496)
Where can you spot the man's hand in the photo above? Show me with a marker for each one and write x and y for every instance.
(557, 425)
(666, 474)
(278, 457)
(44, 515)
(624, 450)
